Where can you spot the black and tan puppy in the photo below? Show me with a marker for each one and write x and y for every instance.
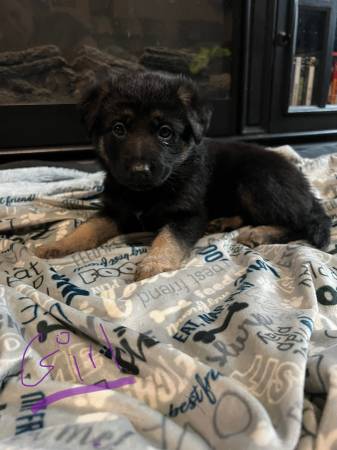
(161, 176)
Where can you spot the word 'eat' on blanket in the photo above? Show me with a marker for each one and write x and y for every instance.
(237, 349)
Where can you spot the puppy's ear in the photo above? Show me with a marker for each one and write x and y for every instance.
(92, 94)
(198, 112)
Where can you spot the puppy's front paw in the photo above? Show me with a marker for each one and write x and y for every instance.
(152, 266)
(50, 251)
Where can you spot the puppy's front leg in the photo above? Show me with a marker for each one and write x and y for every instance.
(166, 253)
(172, 244)
(90, 234)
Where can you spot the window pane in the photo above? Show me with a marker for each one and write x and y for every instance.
(307, 59)
(332, 98)
(47, 45)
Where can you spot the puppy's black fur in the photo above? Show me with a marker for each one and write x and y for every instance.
(149, 130)
(162, 176)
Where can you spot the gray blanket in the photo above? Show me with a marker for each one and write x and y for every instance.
(236, 350)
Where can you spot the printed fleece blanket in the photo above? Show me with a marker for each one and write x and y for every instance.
(236, 350)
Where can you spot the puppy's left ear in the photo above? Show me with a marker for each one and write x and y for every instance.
(198, 112)
(91, 94)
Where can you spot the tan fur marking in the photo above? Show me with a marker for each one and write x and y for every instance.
(254, 236)
(127, 114)
(185, 96)
(157, 114)
(224, 224)
(165, 254)
(90, 234)
(101, 147)
(102, 152)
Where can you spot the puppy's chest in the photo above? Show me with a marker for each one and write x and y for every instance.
(150, 219)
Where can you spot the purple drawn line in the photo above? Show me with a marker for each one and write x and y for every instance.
(90, 356)
(42, 404)
(63, 332)
(77, 368)
(50, 367)
(110, 346)
(23, 358)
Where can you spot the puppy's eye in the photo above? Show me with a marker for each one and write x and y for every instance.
(165, 132)
(119, 130)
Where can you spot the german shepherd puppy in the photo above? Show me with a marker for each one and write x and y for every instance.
(161, 176)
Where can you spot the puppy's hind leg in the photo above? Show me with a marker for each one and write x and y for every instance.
(285, 201)
(261, 235)
(90, 234)
(224, 224)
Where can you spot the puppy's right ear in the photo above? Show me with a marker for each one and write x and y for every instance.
(198, 111)
(91, 99)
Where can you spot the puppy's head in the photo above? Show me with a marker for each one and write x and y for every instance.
(145, 125)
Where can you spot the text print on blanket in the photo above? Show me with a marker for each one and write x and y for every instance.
(64, 341)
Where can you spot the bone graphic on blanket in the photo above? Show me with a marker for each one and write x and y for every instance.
(159, 316)
(63, 338)
(209, 336)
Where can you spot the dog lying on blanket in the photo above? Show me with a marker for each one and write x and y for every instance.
(160, 176)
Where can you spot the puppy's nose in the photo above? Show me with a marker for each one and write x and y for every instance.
(141, 169)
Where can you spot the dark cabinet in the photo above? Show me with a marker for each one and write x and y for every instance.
(290, 66)
(304, 82)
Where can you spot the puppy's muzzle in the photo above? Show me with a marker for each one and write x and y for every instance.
(141, 169)
(141, 175)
